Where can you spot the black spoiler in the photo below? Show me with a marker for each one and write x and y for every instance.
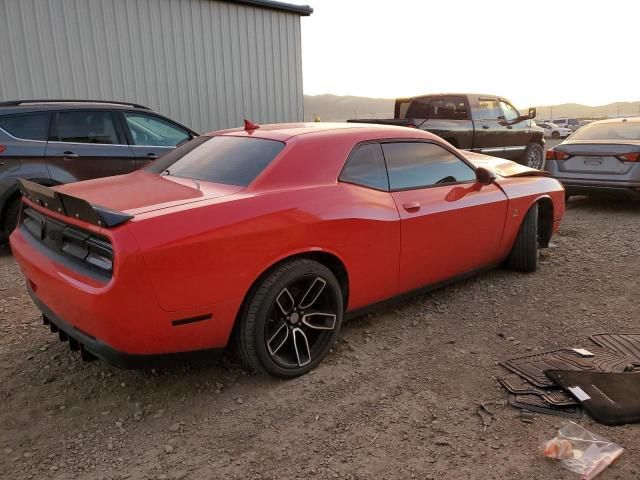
(70, 206)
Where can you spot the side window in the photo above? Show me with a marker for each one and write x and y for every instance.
(417, 165)
(402, 109)
(86, 126)
(418, 108)
(28, 126)
(489, 109)
(365, 166)
(150, 130)
(448, 108)
(509, 112)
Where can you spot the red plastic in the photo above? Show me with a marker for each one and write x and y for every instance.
(556, 155)
(190, 252)
(631, 156)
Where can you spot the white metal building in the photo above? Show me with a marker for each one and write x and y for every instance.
(206, 63)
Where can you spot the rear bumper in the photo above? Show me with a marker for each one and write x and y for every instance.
(574, 182)
(86, 343)
(121, 320)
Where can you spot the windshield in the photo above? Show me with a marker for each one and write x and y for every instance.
(227, 160)
(609, 131)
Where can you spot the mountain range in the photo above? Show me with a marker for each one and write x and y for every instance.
(339, 108)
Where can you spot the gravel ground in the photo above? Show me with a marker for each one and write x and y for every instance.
(396, 398)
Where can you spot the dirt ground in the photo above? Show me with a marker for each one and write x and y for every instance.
(396, 398)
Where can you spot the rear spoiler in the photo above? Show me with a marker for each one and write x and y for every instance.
(71, 206)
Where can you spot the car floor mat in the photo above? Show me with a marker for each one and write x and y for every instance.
(535, 403)
(554, 396)
(532, 367)
(624, 343)
(610, 398)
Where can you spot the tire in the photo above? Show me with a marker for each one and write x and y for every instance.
(290, 320)
(534, 156)
(11, 213)
(555, 135)
(524, 255)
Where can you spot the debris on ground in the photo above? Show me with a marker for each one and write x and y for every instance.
(581, 451)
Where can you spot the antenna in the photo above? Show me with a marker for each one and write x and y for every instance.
(249, 125)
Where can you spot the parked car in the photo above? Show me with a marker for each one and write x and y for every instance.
(52, 142)
(601, 156)
(572, 123)
(272, 235)
(479, 123)
(551, 130)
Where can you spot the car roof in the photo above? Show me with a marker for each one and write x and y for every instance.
(617, 120)
(287, 131)
(29, 106)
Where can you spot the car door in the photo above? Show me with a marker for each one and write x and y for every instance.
(491, 139)
(151, 136)
(449, 225)
(517, 133)
(85, 144)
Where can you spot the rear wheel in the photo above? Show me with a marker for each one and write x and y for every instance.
(555, 135)
(534, 156)
(11, 212)
(525, 253)
(291, 320)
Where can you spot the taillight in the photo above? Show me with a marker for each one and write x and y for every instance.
(556, 155)
(2, 148)
(631, 156)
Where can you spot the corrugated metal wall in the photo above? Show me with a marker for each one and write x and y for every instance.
(206, 63)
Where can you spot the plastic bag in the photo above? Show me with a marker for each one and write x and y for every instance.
(581, 451)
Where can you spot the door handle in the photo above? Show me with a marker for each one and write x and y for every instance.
(486, 127)
(68, 155)
(411, 206)
(152, 156)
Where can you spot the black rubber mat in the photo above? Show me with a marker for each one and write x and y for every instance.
(624, 343)
(611, 398)
(532, 367)
(554, 396)
(535, 403)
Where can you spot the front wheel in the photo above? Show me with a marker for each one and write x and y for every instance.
(555, 135)
(291, 320)
(11, 213)
(534, 156)
(525, 254)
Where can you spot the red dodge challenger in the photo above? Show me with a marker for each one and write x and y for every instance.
(269, 235)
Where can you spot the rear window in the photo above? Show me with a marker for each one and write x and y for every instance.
(609, 131)
(29, 126)
(227, 160)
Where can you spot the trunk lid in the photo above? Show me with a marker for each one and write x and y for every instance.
(597, 157)
(143, 192)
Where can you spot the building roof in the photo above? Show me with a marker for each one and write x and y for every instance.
(304, 10)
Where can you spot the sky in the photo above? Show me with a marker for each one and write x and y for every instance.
(534, 53)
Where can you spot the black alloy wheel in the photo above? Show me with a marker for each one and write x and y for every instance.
(292, 320)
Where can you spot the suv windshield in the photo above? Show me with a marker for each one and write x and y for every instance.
(609, 131)
(227, 160)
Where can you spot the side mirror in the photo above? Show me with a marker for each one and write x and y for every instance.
(532, 112)
(485, 176)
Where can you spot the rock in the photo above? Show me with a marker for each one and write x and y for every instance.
(174, 427)
(442, 442)
(180, 475)
(168, 449)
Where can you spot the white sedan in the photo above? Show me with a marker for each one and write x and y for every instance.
(551, 130)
